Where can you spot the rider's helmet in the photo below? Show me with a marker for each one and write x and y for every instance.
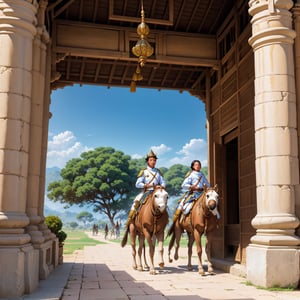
(151, 154)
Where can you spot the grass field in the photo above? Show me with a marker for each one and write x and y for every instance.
(77, 239)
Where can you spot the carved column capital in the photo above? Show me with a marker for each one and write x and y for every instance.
(271, 22)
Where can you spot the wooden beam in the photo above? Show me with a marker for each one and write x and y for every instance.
(107, 42)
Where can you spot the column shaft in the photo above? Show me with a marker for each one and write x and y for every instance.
(276, 146)
(17, 256)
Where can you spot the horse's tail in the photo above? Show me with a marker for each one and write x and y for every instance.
(171, 229)
(124, 240)
(171, 243)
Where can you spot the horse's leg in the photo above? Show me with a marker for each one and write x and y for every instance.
(190, 250)
(171, 244)
(178, 233)
(160, 245)
(146, 266)
(140, 252)
(210, 268)
(151, 251)
(197, 236)
(133, 245)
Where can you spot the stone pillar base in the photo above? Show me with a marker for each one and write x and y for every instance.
(19, 271)
(272, 266)
(46, 259)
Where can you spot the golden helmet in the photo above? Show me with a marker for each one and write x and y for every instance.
(151, 154)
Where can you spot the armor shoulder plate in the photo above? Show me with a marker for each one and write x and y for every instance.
(141, 172)
(188, 174)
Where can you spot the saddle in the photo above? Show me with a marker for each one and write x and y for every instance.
(187, 209)
(189, 202)
(142, 201)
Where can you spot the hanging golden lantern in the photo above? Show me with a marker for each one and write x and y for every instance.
(142, 49)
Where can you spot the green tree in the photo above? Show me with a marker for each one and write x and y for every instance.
(136, 164)
(73, 225)
(174, 178)
(85, 217)
(101, 178)
(55, 225)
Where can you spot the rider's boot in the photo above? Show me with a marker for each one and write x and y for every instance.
(132, 213)
(176, 215)
(130, 216)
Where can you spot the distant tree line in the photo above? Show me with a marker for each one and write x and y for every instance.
(104, 178)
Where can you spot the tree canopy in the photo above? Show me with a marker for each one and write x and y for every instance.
(174, 177)
(85, 217)
(101, 178)
(104, 179)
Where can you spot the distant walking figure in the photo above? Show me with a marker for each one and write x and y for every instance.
(105, 231)
(117, 227)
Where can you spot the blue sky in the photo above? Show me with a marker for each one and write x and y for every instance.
(86, 117)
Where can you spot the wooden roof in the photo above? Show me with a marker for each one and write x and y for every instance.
(92, 41)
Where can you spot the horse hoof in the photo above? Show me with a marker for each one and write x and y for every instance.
(140, 269)
(134, 267)
(190, 268)
(153, 272)
(176, 256)
(161, 265)
(170, 260)
(201, 272)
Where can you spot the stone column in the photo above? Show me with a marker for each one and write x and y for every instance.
(50, 238)
(296, 13)
(36, 127)
(39, 101)
(18, 259)
(273, 255)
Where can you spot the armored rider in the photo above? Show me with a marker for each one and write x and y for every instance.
(147, 179)
(193, 185)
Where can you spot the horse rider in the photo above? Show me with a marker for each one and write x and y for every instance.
(147, 179)
(193, 185)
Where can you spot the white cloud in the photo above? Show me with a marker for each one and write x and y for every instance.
(161, 149)
(62, 148)
(158, 150)
(195, 149)
(136, 156)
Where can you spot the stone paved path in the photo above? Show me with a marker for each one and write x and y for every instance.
(105, 272)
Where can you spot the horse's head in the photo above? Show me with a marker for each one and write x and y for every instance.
(212, 199)
(160, 196)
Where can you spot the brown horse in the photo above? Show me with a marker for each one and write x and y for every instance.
(203, 219)
(149, 223)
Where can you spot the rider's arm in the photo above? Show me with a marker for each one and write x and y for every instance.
(186, 185)
(140, 183)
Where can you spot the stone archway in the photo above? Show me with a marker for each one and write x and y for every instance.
(30, 69)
